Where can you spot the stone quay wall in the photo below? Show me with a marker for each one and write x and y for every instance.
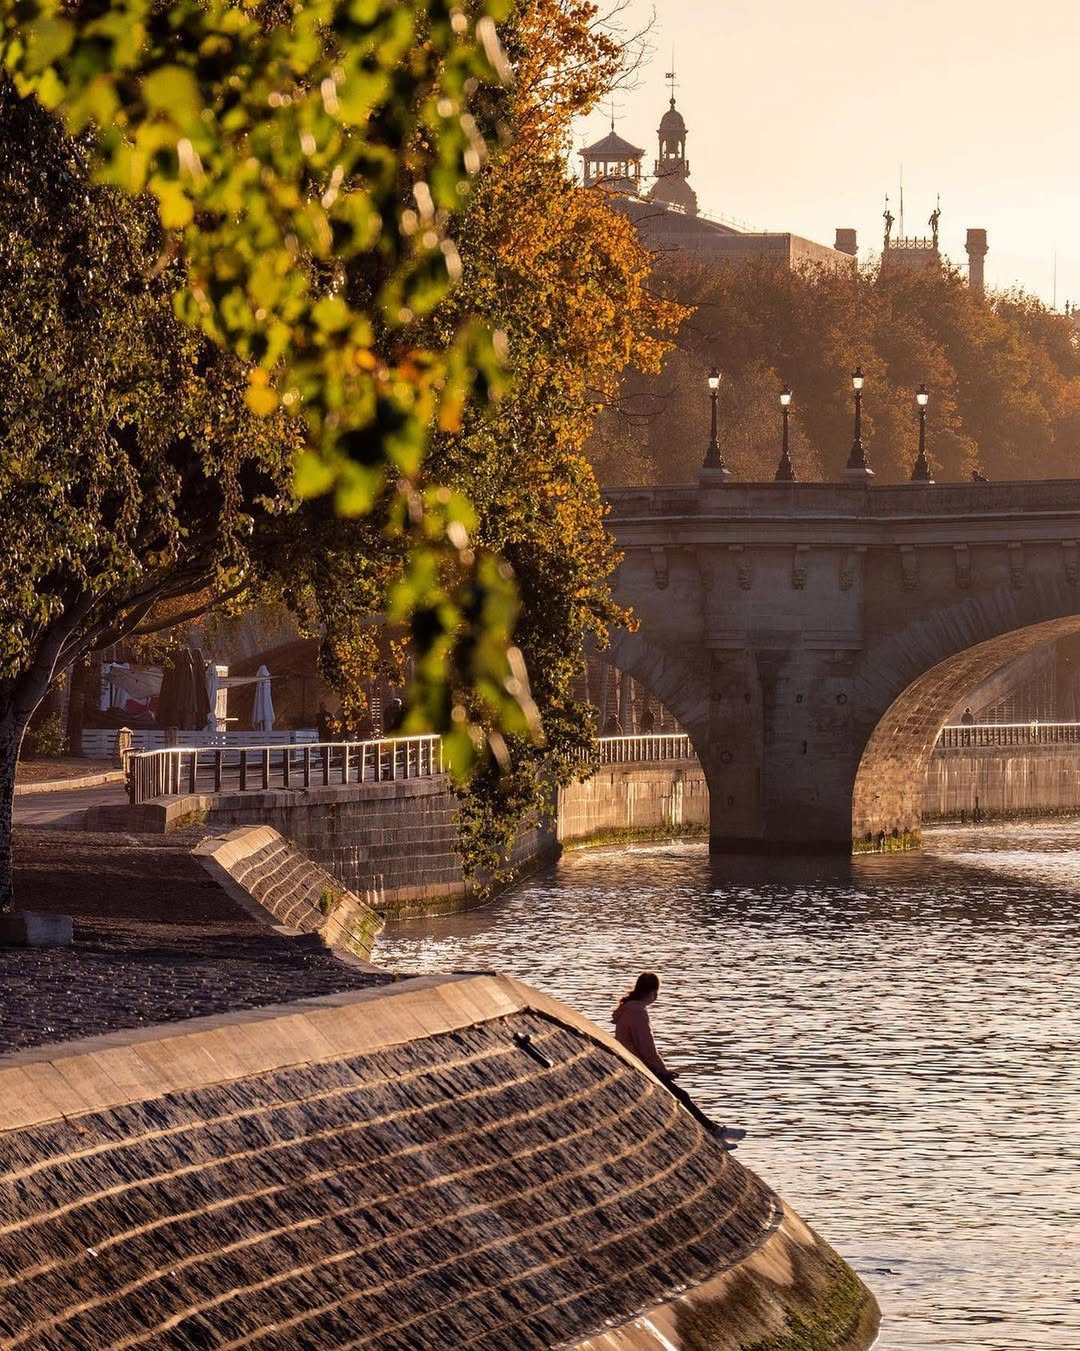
(634, 801)
(1002, 781)
(394, 844)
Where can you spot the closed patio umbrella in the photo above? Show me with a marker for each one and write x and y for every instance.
(211, 695)
(262, 716)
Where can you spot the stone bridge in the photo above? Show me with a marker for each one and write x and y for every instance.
(813, 637)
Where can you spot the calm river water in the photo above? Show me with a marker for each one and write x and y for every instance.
(898, 1033)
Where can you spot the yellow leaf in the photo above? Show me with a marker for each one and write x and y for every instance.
(261, 399)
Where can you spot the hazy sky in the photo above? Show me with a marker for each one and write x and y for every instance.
(801, 112)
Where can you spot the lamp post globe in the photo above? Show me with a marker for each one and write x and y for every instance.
(858, 466)
(785, 470)
(714, 467)
(921, 473)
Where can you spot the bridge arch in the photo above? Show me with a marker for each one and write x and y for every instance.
(889, 782)
(665, 675)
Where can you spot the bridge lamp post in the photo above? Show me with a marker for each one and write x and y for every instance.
(714, 466)
(921, 473)
(857, 467)
(785, 470)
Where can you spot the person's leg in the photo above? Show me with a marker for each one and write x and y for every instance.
(680, 1093)
(729, 1134)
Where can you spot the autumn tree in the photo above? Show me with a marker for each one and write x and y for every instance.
(305, 162)
(565, 278)
(565, 282)
(132, 470)
(1004, 374)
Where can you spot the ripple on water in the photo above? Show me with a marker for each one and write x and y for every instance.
(897, 1032)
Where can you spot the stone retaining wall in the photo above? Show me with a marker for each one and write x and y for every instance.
(635, 801)
(1001, 782)
(394, 844)
(442, 1162)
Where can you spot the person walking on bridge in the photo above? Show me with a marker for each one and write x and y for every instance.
(634, 1032)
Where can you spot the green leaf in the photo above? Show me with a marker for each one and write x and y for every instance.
(174, 90)
(331, 314)
(312, 476)
(174, 205)
(47, 40)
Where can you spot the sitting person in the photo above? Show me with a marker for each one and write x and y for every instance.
(632, 1030)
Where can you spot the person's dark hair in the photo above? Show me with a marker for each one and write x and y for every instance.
(646, 984)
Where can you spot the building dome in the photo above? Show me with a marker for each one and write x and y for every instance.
(613, 164)
(672, 120)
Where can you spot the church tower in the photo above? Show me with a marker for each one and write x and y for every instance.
(672, 167)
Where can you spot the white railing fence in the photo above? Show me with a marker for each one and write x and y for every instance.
(215, 769)
(968, 736)
(99, 743)
(620, 750)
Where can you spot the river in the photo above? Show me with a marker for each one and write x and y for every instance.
(896, 1032)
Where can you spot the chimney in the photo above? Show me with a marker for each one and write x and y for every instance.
(845, 242)
(976, 252)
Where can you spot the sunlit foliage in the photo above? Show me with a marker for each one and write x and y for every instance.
(306, 161)
(132, 471)
(1003, 375)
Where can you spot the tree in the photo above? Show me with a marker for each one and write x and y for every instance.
(132, 469)
(565, 278)
(305, 161)
(565, 281)
(1003, 374)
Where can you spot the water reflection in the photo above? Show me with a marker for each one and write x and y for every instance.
(898, 1033)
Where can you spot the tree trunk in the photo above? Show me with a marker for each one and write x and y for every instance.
(80, 684)
(11, 735)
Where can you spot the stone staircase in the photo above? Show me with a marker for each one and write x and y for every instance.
(263, 872)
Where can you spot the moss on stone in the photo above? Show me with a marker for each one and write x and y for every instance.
(835, 1322)
(631, 835)
(895, 843)
(824, 1308)
(365, 928)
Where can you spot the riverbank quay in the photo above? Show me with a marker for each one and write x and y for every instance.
(381, 816)
(1004, 772)
(156, 940)
(441, 1161)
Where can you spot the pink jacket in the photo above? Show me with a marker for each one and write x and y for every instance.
(632, 1030)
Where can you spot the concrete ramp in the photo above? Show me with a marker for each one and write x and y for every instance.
(442, 1162)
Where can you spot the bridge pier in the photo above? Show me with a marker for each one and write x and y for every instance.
(778, 753)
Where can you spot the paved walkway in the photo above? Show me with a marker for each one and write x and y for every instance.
(64, 809)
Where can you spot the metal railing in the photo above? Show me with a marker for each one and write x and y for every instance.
(100, 743)
(970, 736)
(621, 750)
(195, 769)
(174, 770)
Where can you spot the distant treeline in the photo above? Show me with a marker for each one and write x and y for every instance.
(1003, 375)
